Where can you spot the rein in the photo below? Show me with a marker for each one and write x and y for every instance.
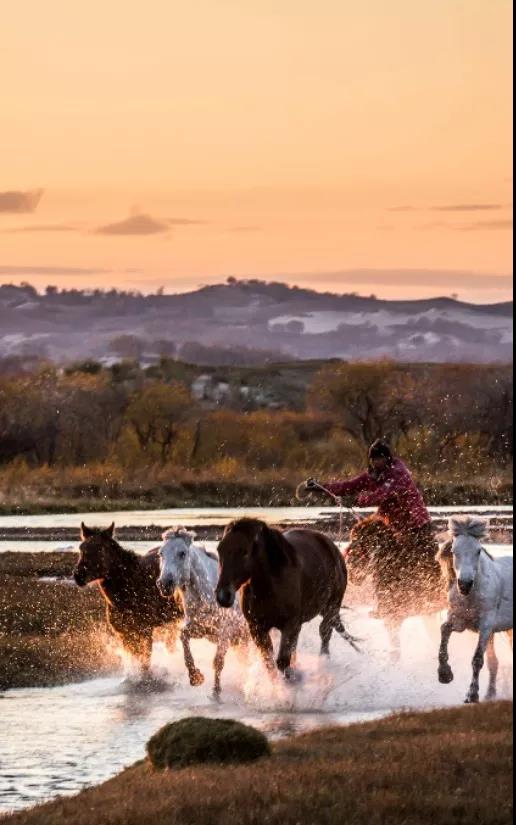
(340, 504)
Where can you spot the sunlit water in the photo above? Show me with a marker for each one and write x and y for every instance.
(206, 517)
(55, 741)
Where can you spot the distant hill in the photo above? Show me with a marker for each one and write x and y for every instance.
(249, 321)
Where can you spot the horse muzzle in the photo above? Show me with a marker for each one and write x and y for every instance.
(465, 586)
(79, 578)
(226, 596)
(166, 588)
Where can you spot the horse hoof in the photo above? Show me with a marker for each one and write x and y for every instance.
(472, 699)
(216, 697)
(196, 678)
(445, 675)
(293, 677)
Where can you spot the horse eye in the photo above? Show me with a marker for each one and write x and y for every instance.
(182, 554)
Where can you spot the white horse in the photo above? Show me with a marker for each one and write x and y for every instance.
(193, 572)
(480, 597)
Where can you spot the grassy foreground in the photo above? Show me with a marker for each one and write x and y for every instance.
(442, 768)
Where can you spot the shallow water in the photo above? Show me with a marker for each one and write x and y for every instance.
(205, 517)
(56, 741)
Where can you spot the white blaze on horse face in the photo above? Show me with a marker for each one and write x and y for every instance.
(466, 556)
(175, 564)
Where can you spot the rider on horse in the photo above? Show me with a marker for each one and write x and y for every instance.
(388, 484)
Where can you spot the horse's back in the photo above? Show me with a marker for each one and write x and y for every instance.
(318, 556)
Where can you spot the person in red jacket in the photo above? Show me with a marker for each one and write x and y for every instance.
(388, 485)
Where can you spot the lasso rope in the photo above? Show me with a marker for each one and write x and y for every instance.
(337, 499)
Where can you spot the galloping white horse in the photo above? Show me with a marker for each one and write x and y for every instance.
(480, 598)
(190, 570)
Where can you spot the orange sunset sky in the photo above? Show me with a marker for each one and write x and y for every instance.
(335, 144)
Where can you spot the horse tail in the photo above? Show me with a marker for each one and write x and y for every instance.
(338, 625)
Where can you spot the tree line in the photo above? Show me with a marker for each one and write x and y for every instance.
(442, 418)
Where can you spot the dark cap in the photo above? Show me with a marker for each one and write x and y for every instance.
(379, 449)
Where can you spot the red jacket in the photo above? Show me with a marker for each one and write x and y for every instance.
(399, 501)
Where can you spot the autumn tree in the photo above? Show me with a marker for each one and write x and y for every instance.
(156, 413)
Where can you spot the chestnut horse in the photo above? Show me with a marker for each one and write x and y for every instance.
(286, 579)
(405, 575)
(134, 607)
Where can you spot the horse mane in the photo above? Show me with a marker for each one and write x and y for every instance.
(469, 526)
(189, 535)
(178, 533)
(276, 546)
(445, 559)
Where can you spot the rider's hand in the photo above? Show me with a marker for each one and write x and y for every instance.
(310, 484)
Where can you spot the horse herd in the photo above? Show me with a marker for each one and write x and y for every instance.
(288, 578)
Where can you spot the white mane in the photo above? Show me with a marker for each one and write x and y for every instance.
(472, 526)
(178, 533)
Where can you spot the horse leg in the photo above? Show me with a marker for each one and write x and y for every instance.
(445, 671)
(218, 664)
(492, 663)
(263, 642)
(325, 632)
(472, 696)
(195, 675)
(287, 649)
(393, 628)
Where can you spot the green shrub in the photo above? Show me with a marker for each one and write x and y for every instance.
(196, 739)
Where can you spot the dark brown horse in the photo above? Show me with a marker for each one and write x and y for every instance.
(286, 579)
(134, 607)
(405, 574)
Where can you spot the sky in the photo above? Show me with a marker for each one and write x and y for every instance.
(336, 144)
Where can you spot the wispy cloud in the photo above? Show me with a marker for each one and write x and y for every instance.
(492, 226)
(35, 269)
(50, 227)
(452, 207)
(19, 203)
(468, 207)
(140, 224)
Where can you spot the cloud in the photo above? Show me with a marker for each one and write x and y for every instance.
(451, 207)
(402, 209)
(24, 271)
(185, 222)
(56, 227)
(468, 207)
(492, 226)
(19, 203)
(139, 224)
(438, 278)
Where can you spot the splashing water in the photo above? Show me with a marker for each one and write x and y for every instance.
(58, 740)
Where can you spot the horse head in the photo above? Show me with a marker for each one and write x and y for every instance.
(175, 561)
(95, 552)
(372, 543)
(460, 556)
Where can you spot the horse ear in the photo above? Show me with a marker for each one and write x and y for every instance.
(109, 531)
(85, 531)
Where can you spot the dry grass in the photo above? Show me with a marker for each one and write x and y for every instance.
(441, 768)
(50, 633)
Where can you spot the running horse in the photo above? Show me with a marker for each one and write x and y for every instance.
(406, 577)
(286, 579)
(190, 571)
(134, 607)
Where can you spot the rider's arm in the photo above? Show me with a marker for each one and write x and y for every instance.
(397, 483)
(350, 487)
